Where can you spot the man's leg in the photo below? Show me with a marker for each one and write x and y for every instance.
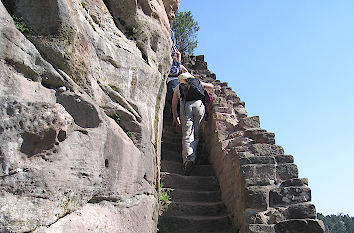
(198, 116)
(187, 131)
(171, 85)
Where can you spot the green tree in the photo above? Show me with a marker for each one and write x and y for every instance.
(339, 223)
(185, 30)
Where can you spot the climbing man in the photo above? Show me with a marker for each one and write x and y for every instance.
(172, 80)
(190, 93)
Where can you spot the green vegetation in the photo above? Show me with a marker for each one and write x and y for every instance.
(113, 87)
(164, 202)
(84, 5)
(131, 31)
(96, 20)
(131, 111)
(163, 196)
(184, 29)
(337, 223)
(129, 134)
(116, 117)
(164, 199)
(21, 26)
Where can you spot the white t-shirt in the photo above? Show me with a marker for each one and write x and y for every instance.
(171, 78)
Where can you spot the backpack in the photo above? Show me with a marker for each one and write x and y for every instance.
(175, 68)
(208, 105)
(192, 89)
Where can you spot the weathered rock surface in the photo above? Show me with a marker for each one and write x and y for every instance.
(81, 96)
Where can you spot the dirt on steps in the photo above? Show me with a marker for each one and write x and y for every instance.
(194, 203)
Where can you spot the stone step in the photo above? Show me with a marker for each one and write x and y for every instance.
(171, 140)
(196, 209)
(172, 134)
(196, 183)
(177, 168)
(168, 155)
(192, 196)
(172, 145)
(192, 224)
(168, 125)
(176, 145)
(174, 138)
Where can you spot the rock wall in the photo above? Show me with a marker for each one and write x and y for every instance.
(259, 183)
(82, 87)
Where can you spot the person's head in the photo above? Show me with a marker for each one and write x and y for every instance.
(174, 55)
(184, 75)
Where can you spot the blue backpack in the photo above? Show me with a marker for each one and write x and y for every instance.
(175, 69)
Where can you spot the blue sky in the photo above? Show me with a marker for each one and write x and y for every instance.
(292, 62)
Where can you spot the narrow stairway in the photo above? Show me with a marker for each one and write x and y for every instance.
(195, 204)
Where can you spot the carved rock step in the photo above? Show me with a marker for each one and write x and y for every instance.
(170, 155)
(193, 224)
(172, 145)
(176, 167)
(176, 138)
(174, 155)
(170, 133)
(168, 125)
(180, 195)
(196, 209)
(197, 183)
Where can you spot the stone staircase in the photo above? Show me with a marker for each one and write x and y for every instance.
(195, 204)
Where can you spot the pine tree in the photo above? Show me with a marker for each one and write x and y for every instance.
(184, 28)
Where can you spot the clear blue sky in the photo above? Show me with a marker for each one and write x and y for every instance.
(292, 62)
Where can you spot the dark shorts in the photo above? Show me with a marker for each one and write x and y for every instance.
(171, 85)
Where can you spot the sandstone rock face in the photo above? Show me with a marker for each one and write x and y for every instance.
(82, 86)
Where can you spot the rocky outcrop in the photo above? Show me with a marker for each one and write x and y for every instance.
(82, 88)
(259, 182)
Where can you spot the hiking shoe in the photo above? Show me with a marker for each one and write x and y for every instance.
(188, 166)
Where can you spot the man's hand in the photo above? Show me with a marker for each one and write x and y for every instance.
(178, 125)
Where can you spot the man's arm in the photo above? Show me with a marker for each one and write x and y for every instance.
(174, 108)
(179, 57)
(184, 69)
(207, 85)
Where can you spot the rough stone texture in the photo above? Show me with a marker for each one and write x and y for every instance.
(259, 183)
(287, 171)
(287, 195)
(300, 226)
(301, 211)
(266, 150)
(261, 228)
(81, 98)
(257, 198)
(250, 122)
(267, 171)
(108, 217)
